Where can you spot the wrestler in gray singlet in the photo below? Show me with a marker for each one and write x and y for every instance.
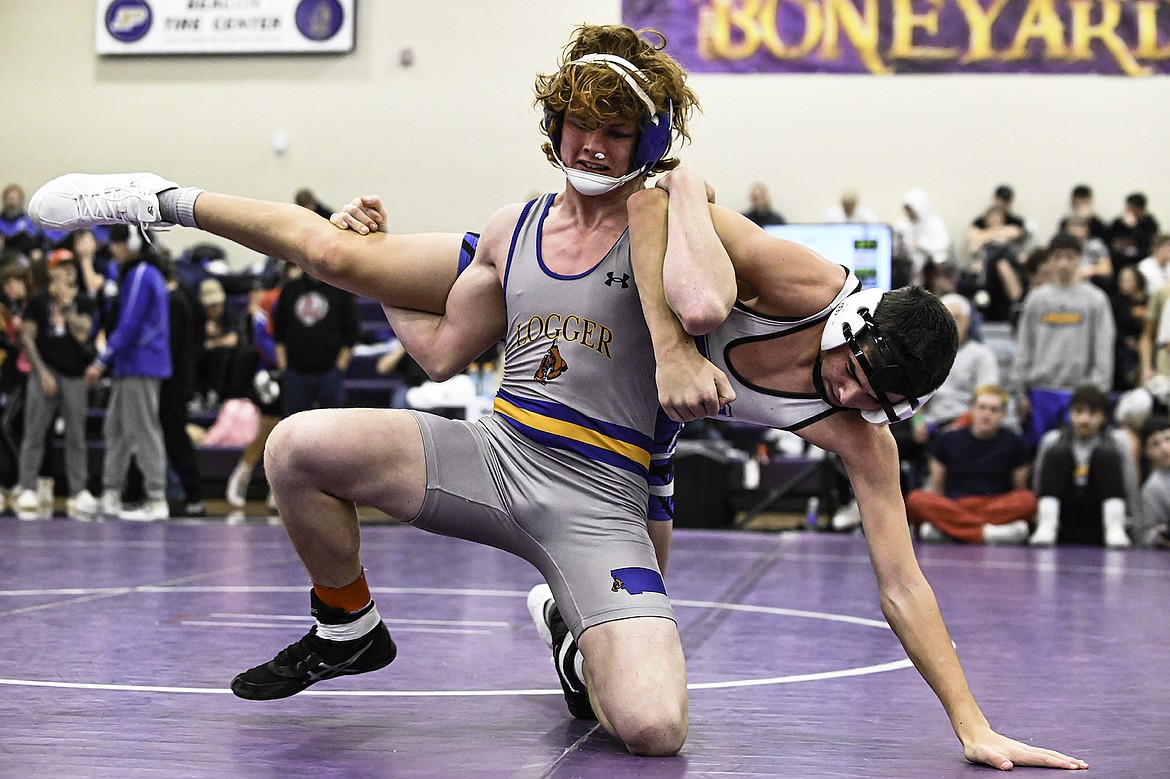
(755, 404)
(558, 473)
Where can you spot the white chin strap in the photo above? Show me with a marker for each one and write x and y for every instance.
(592, 184)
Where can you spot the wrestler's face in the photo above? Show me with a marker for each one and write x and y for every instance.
(606, 149)
(845, 382)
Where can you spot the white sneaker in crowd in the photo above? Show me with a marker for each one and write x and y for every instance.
(82, 506)
(83, 200)
(45, 487)
(931, 534)
(847, 517)
(110, 505)
(150, 511)
(237, 485)
(28, 505)
(1007, 534)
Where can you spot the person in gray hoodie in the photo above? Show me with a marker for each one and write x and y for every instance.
(1064, 339)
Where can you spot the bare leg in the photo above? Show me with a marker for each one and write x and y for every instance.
(320, 463)
(407, 271)
(638, 683)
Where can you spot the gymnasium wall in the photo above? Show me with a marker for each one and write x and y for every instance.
(453, 136)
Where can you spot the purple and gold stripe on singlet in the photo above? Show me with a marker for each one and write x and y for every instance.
(561, 427)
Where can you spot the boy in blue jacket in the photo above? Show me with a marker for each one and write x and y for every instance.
(138, 356)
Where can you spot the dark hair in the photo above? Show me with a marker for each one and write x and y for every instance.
(1035, 259)
(1152, 426)
(1065, 241)
(922, 334)
(1081, 191)
(1136, 200)
(1089, 396)
(1004, 192)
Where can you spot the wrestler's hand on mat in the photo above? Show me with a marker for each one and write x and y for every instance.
(690, 387)
(364, 215)
(668, 180)
(1004, 753)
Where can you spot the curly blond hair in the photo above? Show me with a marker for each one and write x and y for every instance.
(599, 94)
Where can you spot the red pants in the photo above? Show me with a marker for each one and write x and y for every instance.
(963, 518)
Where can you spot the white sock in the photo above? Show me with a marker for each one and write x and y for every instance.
(178, 205)
(1113, 517)
(350, 630)
(1047, 521)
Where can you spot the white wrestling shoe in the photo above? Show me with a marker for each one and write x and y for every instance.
(83, 200)
(539, 598)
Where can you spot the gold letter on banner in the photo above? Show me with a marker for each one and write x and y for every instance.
(1147, 16)
(741, 16)
(1084, 31)
(906, 21)
(862, 32)
(1040, 21)
(813, 26)
(979, 23)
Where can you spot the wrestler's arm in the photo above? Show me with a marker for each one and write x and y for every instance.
(700, 284)
(870, 456)
(414, 271)
(475, 318)
(689, 386)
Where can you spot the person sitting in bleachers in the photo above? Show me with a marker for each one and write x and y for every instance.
(978, 486)
(1081, 473)
(999, 280)
(1096, 262)
(220, 345)
(17, 231)
(1129, 301)
(1154, 530)
(975, 366)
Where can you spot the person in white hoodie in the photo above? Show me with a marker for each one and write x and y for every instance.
(921, 236)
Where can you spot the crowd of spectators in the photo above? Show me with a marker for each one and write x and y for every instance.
(109, 318)
(1056, 329)
(1051, 427)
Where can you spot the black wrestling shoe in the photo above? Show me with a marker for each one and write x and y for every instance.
(314, 659)
(555, 632)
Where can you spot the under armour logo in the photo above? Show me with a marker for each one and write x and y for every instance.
(611, 280)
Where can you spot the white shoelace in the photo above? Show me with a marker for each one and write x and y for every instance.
(110, 204)
(115, 203)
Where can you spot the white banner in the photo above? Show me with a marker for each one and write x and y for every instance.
(224, 26)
